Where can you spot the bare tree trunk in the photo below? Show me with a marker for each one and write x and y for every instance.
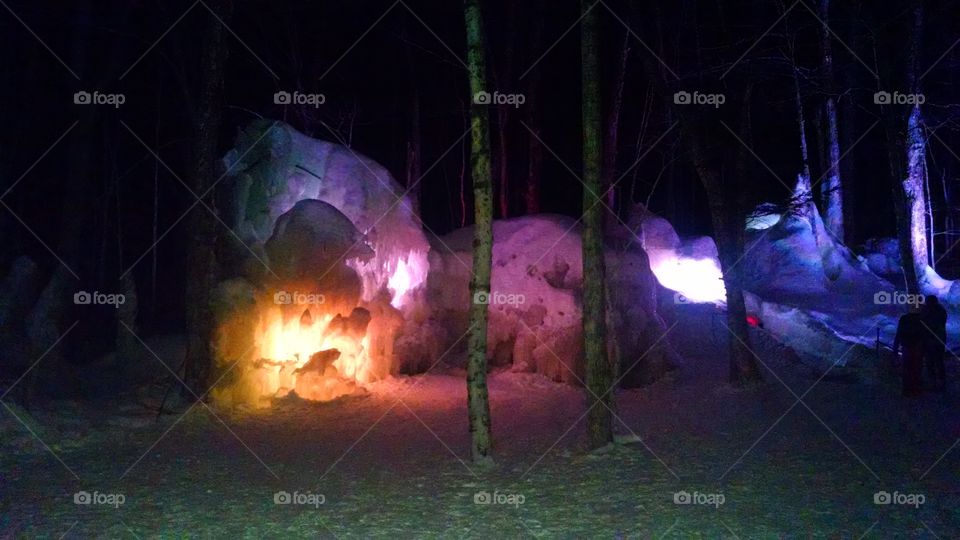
(730, 245)
(503, 113)
(802, 125)
(915, 179)
(127, 344)
(850, 116)
(728, 229)
(48, 316)
(609, 169)
(727, 215)
(503, 163)
(599, 371)
(202, 236)
(413, 140)
(831, 189)
(77, 199)
(895, 145)
(914, 188)
(531, 195)
(905, 142)
(463, 170)
(478, 405)
(413, 153)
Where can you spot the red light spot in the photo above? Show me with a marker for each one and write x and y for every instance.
(753, 321)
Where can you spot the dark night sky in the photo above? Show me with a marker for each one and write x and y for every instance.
(367, 80)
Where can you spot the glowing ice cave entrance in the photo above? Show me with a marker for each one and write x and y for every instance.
(698, 280)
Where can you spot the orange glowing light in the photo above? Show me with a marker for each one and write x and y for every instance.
(287, 344)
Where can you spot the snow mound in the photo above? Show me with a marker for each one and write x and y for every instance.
(274, 166)
(813, 291)
(798, 257)
(689, 267)
(535, 299)
(883, 257)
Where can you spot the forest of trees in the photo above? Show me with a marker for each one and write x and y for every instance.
(842, 105)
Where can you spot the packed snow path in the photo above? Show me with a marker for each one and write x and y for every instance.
(393, 464)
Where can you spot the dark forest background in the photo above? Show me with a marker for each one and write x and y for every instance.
(98, 199)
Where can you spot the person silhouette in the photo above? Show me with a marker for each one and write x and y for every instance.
(910, 339)
(934, 318)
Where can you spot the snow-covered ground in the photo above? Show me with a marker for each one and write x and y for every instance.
(394, 462)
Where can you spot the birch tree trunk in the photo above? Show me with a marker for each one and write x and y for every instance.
(599, 372)
(478, 405)
(906, 147)
(831, 189)
(914, 188)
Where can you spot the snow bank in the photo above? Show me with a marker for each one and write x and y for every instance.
(883, 258)
(274, 166)
(535, 299)
(808, 289)
(690, 267)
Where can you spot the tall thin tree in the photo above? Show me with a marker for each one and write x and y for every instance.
(906, 154)
(725, 198)
(503, 77)
(414, 134)
(202, 235)
(599, 372)
(831, 189)
(608, 169)
(531, 194)
(478, 402)
(914, 183)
